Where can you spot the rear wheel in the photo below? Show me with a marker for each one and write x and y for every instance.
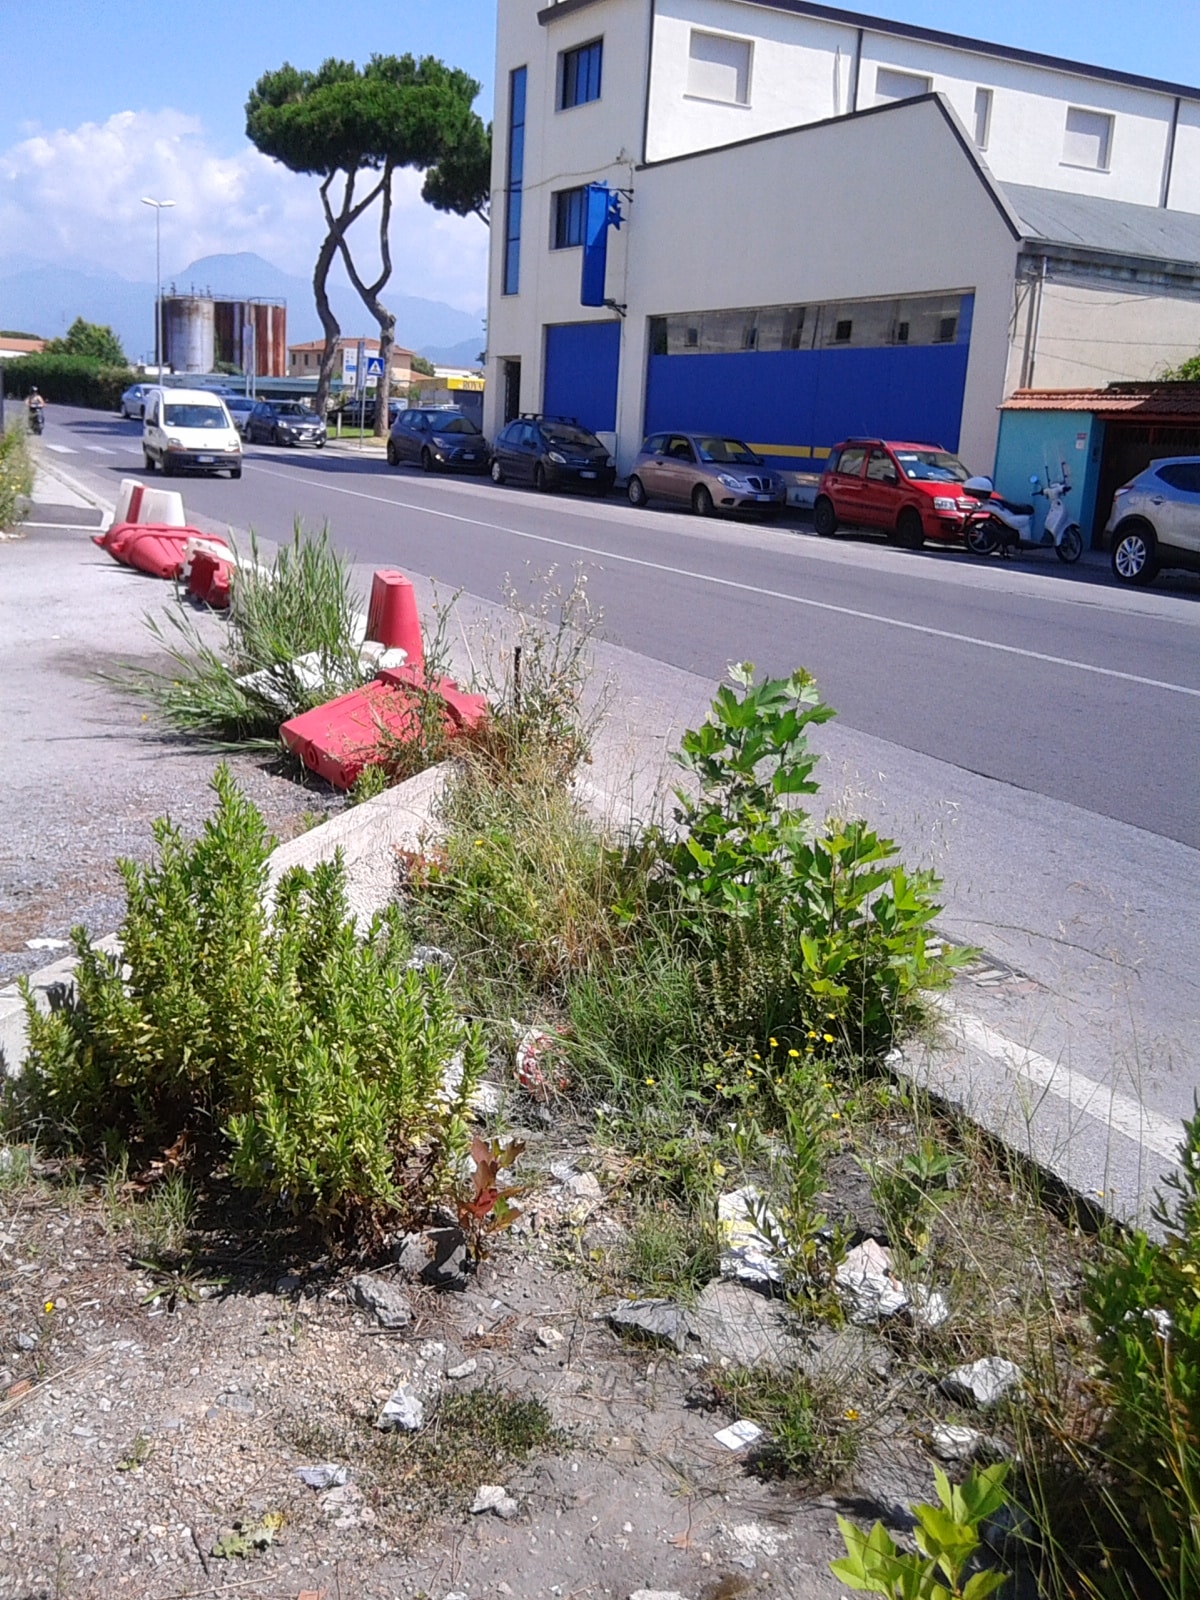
(980, 536)
(1070, 547)
(151, 464)
(702, 501)
(427, 462)
(910, 530)
(637, 492)
(497, 472)
(393, 460)
(539, 478)
(1135, 554)
(825, 517)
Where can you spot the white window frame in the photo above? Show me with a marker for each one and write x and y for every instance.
(1104, 164)
(984, 101)
(723, 38)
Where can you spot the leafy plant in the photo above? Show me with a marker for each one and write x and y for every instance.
(902, 1183)
(487, 1207)
(948, 1543)
(314, 1058)
(16, 473)
(811, 1432)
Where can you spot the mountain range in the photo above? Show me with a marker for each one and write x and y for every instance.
(43, 298)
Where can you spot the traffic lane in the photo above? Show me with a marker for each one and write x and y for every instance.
(1102, 743)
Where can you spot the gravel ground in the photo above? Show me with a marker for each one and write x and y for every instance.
(86, 772)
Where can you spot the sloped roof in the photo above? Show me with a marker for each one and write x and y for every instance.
(1140, 402)
(1090, 222)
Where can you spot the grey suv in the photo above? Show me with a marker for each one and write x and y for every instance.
(1155, 521)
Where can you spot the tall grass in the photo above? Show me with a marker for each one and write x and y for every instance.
(16, 473)
(301, 605)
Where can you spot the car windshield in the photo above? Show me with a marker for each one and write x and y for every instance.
(179, 416)
(573, 438)
(932, 466)
(453, 425)
(292, 408)
(726, 450)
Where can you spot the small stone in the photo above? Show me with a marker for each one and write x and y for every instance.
(290, 1283)
(492, 1497)
(388, 1301)
(986, 1382)
(662, 1321)
(930, 1308)
(869, 1287)
(429, 958)
(463, 1370)
(327, 1476)
(955, 1443)
(656, 1594)
(241, 1403)
(549, 1337)
(27, 1341)
(437, 1257)
(403, 1410)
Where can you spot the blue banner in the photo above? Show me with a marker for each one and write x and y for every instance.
(603, 212)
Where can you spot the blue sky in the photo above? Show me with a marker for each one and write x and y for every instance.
(102, 101)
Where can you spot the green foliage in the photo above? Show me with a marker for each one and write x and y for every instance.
(902, 1184)
(812, 931)
(672, 1250)
(1186, 372)
(16, 474)
(314, 1057)
(68, 380)
(424, 366)
(302, 605)
(945, 1565)
(94, 340)
(1143, 1300)
(811, 1432)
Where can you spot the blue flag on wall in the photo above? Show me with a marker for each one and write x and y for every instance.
(603, 213)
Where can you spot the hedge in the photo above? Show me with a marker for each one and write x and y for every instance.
(67, 380)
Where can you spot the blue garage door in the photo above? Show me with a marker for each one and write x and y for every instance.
(582, 361)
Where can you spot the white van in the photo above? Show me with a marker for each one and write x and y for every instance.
(189, 429)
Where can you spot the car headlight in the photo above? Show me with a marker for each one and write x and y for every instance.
(609, 462)
(944, 502)
(558, 460)
(729, 482)
(174, 444)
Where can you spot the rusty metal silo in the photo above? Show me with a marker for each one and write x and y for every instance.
(188, 327)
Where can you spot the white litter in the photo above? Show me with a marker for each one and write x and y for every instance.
(739, 1434)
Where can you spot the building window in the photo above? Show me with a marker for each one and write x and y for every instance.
(579, 75)
(924, 319)
(1088, 139)
(842, 330)
(892, 85)
(516, 173)
(719, 68)
(947, 330)
(570, 218)
(983, 118)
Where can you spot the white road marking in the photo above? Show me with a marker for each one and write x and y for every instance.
(100, 449)
(1118, 1111)
(750, 588)
(61, 449)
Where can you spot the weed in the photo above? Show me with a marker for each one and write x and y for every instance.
(136, 1457)
(371, 781)
(162, 1223)
(811, 1432)
(16, 1166)
(671, 1250)
(903, 1183)
(313, 1057)
(16, 473)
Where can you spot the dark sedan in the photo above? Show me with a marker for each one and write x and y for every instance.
(441, 439)
(552, 453)
(284, 422)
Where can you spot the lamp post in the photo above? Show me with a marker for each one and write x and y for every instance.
(159, 207)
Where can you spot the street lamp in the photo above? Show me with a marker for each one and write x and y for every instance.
(159, 207)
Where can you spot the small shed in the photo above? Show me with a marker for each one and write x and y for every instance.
(1104, 437)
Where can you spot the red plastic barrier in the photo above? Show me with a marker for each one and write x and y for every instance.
(392, 617)
(210, 579)
(465, 710)
(150, 546)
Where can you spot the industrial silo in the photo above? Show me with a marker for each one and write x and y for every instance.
(188, 333)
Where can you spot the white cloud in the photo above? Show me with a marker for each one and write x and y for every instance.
(74, 196)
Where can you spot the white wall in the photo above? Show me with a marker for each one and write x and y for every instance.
(1094, 332)
(1185, 168)
(679, 262)
(802, 71)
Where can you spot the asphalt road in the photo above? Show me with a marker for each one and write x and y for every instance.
(1032, 731)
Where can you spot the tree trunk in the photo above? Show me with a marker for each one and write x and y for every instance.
(328, 322)
(369, 294)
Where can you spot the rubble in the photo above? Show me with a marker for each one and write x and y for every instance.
(492, 1497)
(869, 1288)
(403, 1410)
(985, 1382)
(388, 1301)
(746, 1253)
(662, 1321)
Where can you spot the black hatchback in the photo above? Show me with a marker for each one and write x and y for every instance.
(440, 438)
(552, 453)
(284, 422)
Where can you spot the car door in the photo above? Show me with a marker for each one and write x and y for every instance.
(846, 484)
(1177, 516)
(529, 448)
(651, 464)
(678, 469)
(881, 491)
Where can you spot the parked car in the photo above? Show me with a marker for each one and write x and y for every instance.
(284, 422)
(1155, 521)
(353, 411)
(133, 400)
(441, 438)
(911, 492)
(552, 453)
(239, 407)
(186, 429)
(709, 472)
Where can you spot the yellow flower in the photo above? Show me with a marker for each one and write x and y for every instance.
(794, 1054)
(49, 1307)
(774, 1044)
(850, 1414)
(478, 842)
(720, 1088)
(836, 1115)
(718, 1170)
(650, 1083)
(828, 1038)
(813, 1034)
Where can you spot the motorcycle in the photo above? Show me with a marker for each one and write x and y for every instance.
(37, 419)
(1002, 526)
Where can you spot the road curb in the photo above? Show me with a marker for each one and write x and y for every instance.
(69, 481)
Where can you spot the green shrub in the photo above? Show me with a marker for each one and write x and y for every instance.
(1143, 1301)
(96, 340)
(313, 1058)
(302, 605)
(16, 474)
(810, 1431)
(68, 380)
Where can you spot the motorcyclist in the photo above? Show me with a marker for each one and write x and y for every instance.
(34, 401)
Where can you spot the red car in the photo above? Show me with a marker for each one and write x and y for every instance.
(912, 492)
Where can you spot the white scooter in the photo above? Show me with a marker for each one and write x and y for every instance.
(1002, 526)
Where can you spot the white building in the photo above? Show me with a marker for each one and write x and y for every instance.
(833, 224)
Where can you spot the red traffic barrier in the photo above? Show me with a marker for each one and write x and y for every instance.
(150, 546)
(392, 616)
(464, 710)
(210, 579)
